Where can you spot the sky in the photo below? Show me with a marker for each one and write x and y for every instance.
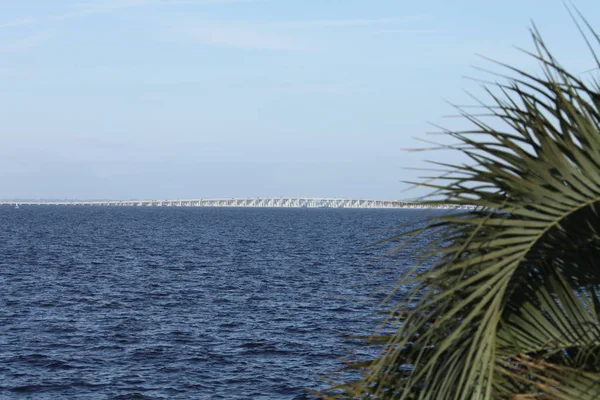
(174, 99)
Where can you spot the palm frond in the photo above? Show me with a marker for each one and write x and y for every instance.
(511, 308)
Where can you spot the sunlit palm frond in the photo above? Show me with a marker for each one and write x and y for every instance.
(511, 307)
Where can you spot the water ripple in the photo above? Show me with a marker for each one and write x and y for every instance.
(181, 303)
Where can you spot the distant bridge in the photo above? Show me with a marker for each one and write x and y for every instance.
(276, 202)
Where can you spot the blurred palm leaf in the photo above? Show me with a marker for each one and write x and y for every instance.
(511, 307)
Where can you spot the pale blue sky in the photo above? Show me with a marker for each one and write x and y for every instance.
(222, 98)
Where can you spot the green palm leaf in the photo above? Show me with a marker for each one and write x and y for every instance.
(511, 307)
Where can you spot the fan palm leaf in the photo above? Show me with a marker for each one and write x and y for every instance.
(510, 308)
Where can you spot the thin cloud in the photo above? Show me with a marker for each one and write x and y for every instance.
(205, 2)
(406, 31)
(93, 7)
(261, 36)
(18, 22)
(222, 34)
(324, 88)
(206, 33)
(89, 7)
(258, 36)
(96, 6)
(25, 43)
(333, 23)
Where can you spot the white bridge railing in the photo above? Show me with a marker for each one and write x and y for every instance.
(276, 202)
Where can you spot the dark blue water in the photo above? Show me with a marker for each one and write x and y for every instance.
(184, 303)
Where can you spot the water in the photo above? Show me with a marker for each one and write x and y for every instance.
(184, 303)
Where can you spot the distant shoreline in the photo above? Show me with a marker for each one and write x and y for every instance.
(258, 202)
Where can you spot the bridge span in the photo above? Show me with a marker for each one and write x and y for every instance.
(276, 202)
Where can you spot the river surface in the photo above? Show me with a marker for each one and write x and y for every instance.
(186, 303)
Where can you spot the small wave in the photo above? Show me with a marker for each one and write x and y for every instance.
(40, 360)
(181, 298)
(135, 396)
(231, 325)
(259, 348)
(221, 300)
